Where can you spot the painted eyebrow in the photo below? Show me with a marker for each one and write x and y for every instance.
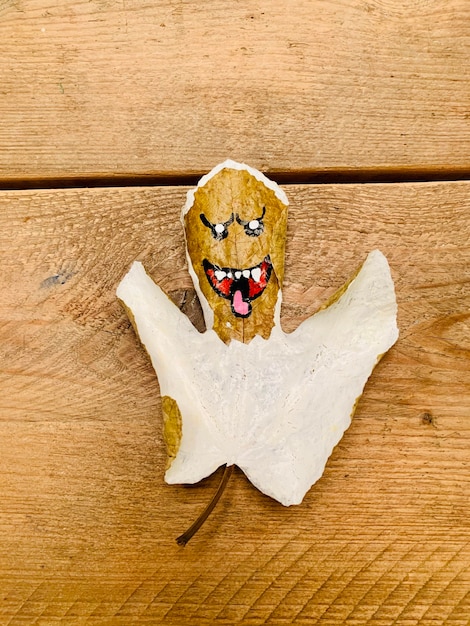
(217, 233)
(255, 219)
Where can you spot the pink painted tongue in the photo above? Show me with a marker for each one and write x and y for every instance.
(239, 305)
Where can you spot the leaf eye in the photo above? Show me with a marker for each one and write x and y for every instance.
(253, 228)
(219, 231)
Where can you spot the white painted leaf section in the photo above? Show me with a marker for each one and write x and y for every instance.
(275, 408)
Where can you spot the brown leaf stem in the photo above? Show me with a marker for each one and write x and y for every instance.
(183, 539)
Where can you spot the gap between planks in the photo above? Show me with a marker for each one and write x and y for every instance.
(295, 177)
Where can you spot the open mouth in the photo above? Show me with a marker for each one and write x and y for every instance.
(240, 286)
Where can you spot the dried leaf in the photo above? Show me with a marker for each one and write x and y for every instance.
(250, 395)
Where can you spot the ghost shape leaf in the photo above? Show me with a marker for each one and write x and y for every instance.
(244, 392)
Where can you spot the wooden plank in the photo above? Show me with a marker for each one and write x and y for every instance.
(164, 88)
(87, 525)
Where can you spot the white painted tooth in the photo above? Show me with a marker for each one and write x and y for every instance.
(219, 274)
(238, 274)
(229, 275)
(246, 273)
(256, 273)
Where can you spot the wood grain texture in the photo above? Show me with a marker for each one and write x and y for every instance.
(87, 525)
(171, 87)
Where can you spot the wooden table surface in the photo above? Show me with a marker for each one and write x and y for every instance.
(109, 109)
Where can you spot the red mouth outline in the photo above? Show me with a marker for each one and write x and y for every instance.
(241, 285)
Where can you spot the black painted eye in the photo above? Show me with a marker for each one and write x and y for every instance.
(219, 231)
(255, 227)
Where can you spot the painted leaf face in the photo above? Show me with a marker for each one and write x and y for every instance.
(248, 394)
(235, 223)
